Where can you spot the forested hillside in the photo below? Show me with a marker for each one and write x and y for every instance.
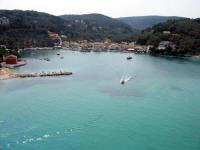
(28, 28)
(184, 36)
(96, 27)
(20, 29)
(143, 22)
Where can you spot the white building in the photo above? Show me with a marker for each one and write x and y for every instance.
(163, 45)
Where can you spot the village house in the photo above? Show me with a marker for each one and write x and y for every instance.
(166, 32)
(3, 47)
(132, 44)
(163, 45)
(140, 49)
(107, 40)
(4, 20)
(11, 59)
(149, 47)
(130, 49)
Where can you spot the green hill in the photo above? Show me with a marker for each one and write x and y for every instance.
(28, 28)
(96, 27)
(20, 29)
(143, 22)
(184, 37)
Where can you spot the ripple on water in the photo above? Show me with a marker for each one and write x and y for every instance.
(27, 83)
(46, 136)
(176, 88)
(25, 140)
(39, 139)
(57, 132)
(180, 89)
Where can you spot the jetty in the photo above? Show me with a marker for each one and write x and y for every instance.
(32, 75)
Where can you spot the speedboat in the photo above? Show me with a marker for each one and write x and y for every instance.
(122, 82)
(125, 79)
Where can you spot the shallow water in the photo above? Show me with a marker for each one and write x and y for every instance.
(90, 110)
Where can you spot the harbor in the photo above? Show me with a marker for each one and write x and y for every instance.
(47, 111)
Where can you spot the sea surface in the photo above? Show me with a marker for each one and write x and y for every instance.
(158, 109)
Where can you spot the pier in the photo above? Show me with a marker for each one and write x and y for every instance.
(43, 74)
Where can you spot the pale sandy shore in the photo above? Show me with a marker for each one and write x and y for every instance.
(6, 74)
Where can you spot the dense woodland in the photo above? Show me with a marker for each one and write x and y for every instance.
(184, 37)
(96, 27)
(30, 28)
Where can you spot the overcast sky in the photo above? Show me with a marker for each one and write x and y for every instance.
(112, 8)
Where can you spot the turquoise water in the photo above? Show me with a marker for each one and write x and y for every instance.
(158, 109)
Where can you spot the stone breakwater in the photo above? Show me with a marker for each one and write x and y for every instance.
(6, 74)
(43, 74)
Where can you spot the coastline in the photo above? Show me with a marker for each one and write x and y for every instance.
(176, 56)
(6, 74)
(141, 50)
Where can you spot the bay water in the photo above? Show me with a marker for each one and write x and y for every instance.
(158, 109)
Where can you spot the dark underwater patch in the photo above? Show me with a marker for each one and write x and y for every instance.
(176, 88)
(120, 91)
(21, 84)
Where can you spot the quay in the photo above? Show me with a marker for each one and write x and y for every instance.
(42, 74)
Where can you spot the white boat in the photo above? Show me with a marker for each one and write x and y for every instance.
(125, 79)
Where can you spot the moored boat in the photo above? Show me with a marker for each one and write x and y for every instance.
(128, 58)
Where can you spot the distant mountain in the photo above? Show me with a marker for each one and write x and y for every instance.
(96, 27)
(143, 22)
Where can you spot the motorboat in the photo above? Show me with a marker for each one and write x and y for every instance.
(125, 79)
(122, 82)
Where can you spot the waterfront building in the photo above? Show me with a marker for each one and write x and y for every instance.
(4, 20)
(11, 59)
(166, 32)
(163, 45)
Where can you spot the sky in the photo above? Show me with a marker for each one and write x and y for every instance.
(112, 8)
